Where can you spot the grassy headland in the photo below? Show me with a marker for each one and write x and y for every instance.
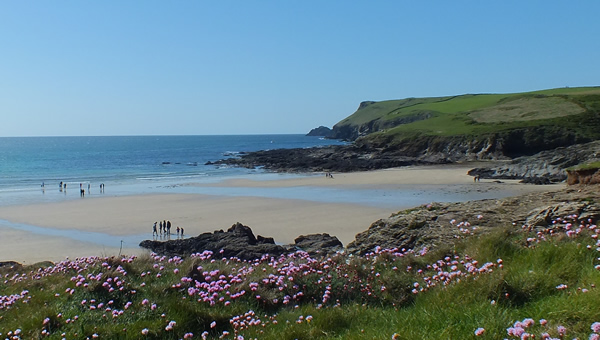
(494, 285)
(560, 116)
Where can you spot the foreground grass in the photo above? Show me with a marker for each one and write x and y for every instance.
(497, 285)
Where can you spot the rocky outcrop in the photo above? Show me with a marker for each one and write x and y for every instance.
(321, 131)
(583, 176)
(541, 168)
(239, 241)
(441, 224)
(319, 244)
(544, 167)
(331, 158)
(352, 132)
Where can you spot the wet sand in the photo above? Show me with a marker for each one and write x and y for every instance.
(96, 226)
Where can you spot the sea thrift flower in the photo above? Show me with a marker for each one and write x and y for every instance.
(479, 331)
(595, 327)
(145, 331)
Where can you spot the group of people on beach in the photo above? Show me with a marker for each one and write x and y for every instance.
(328, 175)
(62, 186)
(164, 228)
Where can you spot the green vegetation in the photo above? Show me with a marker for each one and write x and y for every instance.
(587, 166)
(576, 110)
(498, 285)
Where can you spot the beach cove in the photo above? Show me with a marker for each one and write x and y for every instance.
(282, 207)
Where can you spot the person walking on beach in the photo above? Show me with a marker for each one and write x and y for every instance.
(181, 231)
(177, 231)
(154, 229)
(169, 227)
(161, 227)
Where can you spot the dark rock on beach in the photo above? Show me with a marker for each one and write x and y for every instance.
(239, 241)
(340, 158)
(318, 244)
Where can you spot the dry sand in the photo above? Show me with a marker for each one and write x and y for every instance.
(131, 217)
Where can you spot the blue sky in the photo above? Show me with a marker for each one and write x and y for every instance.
(253, 67)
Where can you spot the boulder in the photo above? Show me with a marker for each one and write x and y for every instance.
(318, 244)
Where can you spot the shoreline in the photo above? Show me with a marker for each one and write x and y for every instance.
(284, 219)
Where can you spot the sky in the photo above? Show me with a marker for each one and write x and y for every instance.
(101, 68)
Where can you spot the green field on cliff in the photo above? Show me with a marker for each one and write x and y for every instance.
(478, 114)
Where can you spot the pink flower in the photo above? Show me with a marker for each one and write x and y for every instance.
(562, 330)
(595, 327)
(145, 331)
(479, 331)
(213, 324)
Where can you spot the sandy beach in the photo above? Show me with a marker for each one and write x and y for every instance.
(107, 225)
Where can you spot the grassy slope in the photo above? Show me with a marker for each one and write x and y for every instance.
(479, 114)
(374, 297)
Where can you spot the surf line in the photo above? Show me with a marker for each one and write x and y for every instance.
(103, 239)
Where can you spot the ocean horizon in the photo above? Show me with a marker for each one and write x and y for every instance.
(31, 168)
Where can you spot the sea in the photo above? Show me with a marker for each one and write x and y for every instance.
(32, 168)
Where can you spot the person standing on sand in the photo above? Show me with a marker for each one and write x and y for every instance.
(181, 231)
(154, 229)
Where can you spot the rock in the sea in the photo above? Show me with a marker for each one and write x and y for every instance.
(318, 244)
(321, 131)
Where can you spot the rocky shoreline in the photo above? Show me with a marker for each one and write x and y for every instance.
(542, 168)
(428, 226)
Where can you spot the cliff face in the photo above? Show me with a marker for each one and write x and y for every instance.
(584, 176)
(350, 132)
(501, 145)
(544, 167)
